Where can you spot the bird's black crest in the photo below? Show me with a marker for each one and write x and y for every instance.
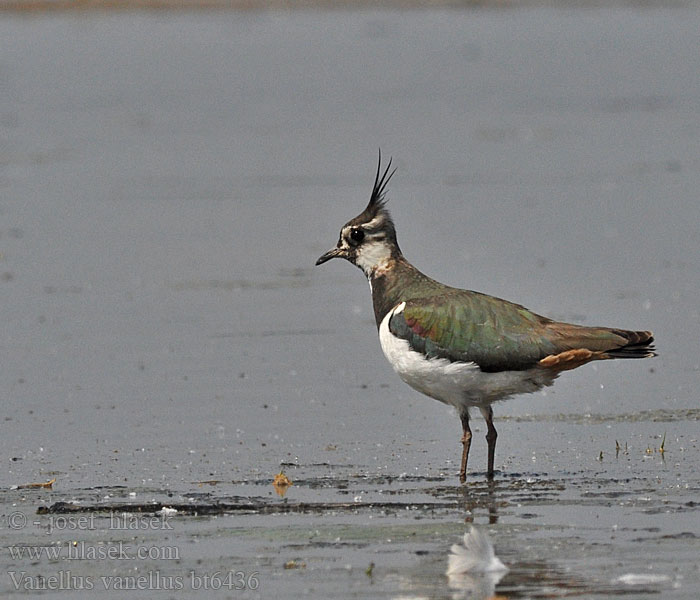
(377, 199)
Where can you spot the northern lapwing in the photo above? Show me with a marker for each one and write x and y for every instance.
(464, 348)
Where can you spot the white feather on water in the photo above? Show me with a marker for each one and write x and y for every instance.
(476, 555)
(473, 568)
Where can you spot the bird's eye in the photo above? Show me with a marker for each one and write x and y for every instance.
(357, 235)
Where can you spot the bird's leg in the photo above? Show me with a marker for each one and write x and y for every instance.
(491, 436)
(466, 443)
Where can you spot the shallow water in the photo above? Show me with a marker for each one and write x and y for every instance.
(167, 181)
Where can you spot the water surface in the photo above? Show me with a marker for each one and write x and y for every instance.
(167, 181)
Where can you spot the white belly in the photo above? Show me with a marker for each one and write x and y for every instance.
(461, 384)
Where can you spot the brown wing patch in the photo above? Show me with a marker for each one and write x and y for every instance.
(570, 359)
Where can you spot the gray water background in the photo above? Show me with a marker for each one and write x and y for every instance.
(167, 180)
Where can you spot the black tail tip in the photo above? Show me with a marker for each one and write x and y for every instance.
(641, 345)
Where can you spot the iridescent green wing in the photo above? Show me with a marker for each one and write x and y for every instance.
(468, 326)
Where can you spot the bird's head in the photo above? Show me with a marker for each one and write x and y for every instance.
(369, 240)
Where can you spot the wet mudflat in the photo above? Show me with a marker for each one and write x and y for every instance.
(167, 181)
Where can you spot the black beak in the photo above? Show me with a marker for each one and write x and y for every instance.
(332, 253)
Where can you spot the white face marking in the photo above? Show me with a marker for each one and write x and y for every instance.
(373, 255)
(379, 219)
(373, 252)
(460, 384)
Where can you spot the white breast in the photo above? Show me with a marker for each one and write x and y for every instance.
(461, 384)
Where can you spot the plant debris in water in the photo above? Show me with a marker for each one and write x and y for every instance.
(33, 486)
(281, 484)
